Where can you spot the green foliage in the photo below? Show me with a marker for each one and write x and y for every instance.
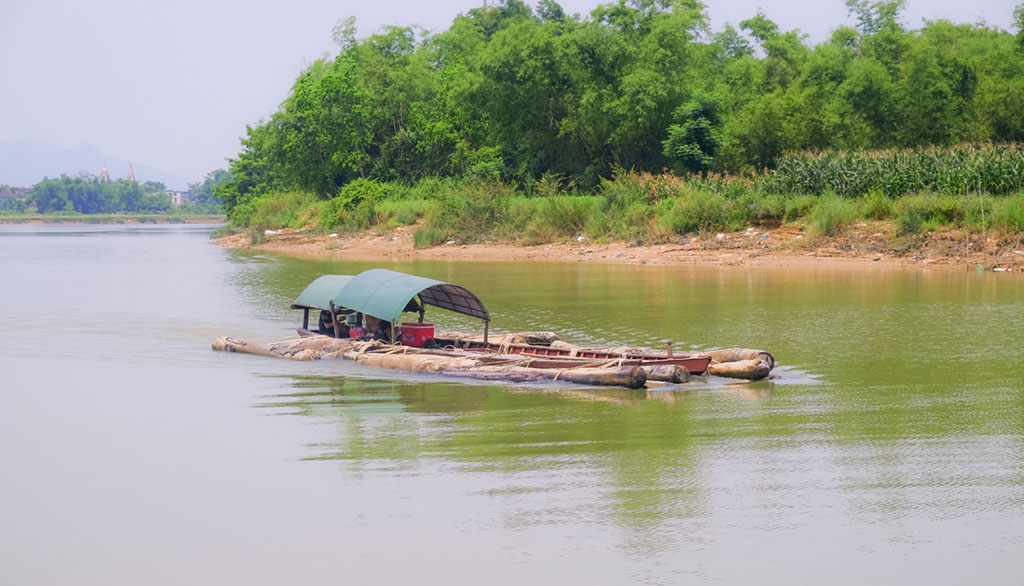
(876, 205)
(560, 217)
(1007, 214)
(257, 235)
(427, 236)
(696, 211)
(533, 97)
(798, 206)
(274, 210)
(91, 195)
(831, 216)
(694, 139)
(204, 192)
(917, 213)
(473, 212)
(1018, 21)
(995, 169)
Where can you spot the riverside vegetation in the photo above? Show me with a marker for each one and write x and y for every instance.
(971, 189)
(637, 122)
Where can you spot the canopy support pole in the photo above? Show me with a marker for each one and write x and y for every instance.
(393, 332)
(334, 320)
(487, 325)
(305, 318)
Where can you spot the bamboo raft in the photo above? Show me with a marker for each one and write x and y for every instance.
(454, 363)
(381, 296)
(626, 370)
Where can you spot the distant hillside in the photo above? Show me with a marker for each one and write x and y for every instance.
(24, 163)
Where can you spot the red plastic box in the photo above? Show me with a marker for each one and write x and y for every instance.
(416, 334)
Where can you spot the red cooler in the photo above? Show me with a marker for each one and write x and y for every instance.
(416, 334)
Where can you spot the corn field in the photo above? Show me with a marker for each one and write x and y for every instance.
(991, 169)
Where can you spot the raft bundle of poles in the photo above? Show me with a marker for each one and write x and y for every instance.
(621, 372)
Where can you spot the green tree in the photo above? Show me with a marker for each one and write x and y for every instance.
(204, 192)
(694, 139)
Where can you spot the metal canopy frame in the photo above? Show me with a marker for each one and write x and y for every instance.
(384, 294)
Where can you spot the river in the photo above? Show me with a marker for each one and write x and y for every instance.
(888, 450)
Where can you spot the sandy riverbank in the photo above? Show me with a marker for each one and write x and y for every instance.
(867, 245)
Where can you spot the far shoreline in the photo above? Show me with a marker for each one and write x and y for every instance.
(113, 219)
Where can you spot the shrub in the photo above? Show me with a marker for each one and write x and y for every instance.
(876, 205)
(273, 210)
(1008, 214)
(831, 216)
(910, 215)
(428, 235)
(695, 211)
(797, 206)
(257, 235)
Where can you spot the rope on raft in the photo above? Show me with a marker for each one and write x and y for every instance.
(589, 365)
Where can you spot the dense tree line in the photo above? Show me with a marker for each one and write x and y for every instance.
(519, 94)
(88, 194)
(91, 195)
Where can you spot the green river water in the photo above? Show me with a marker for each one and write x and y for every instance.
(888, 450)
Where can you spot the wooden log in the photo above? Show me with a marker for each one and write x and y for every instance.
(745, 369)
(670, 373)
(631, 377)
(412, 362)
(227, 344)
(738, 354)
(320, 344)
(382, 355)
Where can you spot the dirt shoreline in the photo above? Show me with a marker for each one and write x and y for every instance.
(866, 247)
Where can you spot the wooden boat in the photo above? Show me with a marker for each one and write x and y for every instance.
(694, 362)
(380, 297)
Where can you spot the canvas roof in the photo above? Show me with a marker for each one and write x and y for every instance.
(384, 294)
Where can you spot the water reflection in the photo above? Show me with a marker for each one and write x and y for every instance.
(597, 455)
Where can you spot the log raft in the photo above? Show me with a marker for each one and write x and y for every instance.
(732, 363)
(458, 364)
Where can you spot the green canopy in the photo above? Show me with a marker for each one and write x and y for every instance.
(385, 294)
(321, 292)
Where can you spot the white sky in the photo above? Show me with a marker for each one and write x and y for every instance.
(172, 84)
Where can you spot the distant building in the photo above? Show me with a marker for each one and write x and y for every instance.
(14, 193)
(181, 197)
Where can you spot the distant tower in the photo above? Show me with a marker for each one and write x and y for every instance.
(105, 175)
(131, 173)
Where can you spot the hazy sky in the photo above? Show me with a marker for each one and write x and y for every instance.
(173, 84)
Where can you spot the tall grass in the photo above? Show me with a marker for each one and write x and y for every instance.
(277, 209)
(831, 216)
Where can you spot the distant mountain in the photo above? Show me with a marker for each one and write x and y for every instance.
(23, 163)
